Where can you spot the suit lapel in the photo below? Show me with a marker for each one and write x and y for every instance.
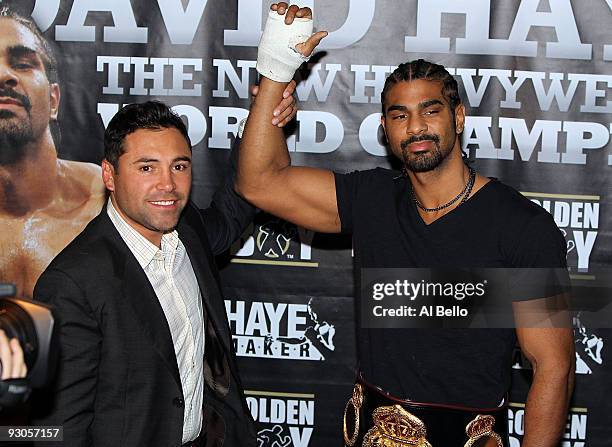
(211, 295)
(139, 294)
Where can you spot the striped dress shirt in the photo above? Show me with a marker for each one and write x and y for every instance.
(171, 274)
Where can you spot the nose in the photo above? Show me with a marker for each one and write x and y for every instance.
(8, 77)
(416, 125)
(166, 181)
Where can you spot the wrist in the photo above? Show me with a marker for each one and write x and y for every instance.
(277, 57)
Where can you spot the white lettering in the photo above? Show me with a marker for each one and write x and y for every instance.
(526, 140)
(240, 84)
(180, 76)
(577, 142)
(196, 122)
(125, 28)
(361, 83)
(584, 246)
(314, 83)
(334, 132)
(45, 12)
(225, 120)
(182, 22)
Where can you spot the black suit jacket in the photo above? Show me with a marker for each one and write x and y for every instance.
(118, 382)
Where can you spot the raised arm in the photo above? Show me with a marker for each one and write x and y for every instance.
(304, 196)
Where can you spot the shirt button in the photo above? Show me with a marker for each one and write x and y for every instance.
(178, 402)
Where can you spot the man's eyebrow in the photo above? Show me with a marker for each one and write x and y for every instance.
(21, 50)
(429, 103)
(422, 105)
(155, 160)
(146, 160)
(397, 107)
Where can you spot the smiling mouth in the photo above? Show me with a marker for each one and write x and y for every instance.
(163, 202)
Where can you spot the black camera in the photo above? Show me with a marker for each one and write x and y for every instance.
(33, 325)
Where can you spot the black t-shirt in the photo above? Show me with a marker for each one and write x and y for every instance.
(496, 227)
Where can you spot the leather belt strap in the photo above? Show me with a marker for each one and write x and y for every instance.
(374, 419)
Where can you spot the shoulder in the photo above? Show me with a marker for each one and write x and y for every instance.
(370, 180)
(374, 174)
(509, 204)
(94, 247)
(531, 237)
(81, 182)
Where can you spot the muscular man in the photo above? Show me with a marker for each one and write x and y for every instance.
(437, 212)
(44, 201)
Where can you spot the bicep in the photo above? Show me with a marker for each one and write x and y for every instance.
(304, 196)
(550, 348)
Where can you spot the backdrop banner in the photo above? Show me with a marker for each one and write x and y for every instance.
(535, 79)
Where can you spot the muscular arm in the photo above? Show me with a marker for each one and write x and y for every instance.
(229, 214)
(304, 196)
(551, 353)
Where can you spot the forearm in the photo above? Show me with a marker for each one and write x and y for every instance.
(546, 407)
(263, 149)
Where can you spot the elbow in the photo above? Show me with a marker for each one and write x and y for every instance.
(560, 371)
(249, 192)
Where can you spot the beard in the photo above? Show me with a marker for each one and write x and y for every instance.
(14, 135)
(14, 132)
(427, 160)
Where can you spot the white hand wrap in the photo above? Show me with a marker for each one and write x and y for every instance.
(277, 58)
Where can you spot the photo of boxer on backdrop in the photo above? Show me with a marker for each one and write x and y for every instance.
(44, 201)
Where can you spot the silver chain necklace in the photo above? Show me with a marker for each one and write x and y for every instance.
(465, 193)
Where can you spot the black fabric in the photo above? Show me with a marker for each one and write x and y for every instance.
(496, 227)
(118, 382)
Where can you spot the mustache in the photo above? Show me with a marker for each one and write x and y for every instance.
(416, 138)
(10, 93)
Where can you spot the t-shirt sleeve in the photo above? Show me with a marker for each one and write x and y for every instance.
(539, 260)
(539, 244)
(347, 190)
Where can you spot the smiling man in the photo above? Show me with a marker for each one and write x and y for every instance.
(417, 386)
(44, 201)
(146, 353)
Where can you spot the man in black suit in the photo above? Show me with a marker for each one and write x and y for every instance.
(147, 358)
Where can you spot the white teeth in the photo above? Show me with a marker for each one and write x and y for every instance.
(164, 202)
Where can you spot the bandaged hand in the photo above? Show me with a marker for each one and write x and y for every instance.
(287, 42)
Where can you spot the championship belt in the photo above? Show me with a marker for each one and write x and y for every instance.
(375, 419)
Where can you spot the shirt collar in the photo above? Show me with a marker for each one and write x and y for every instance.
(140, 246)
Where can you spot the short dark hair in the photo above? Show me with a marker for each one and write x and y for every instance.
(47, 55)
(422, 69)
(152, 115)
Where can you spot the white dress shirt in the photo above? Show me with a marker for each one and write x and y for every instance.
(171, 274)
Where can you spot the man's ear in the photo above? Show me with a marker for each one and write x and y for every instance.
(54, 101)
(383, 123)
(108, 175)
(459, 118)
